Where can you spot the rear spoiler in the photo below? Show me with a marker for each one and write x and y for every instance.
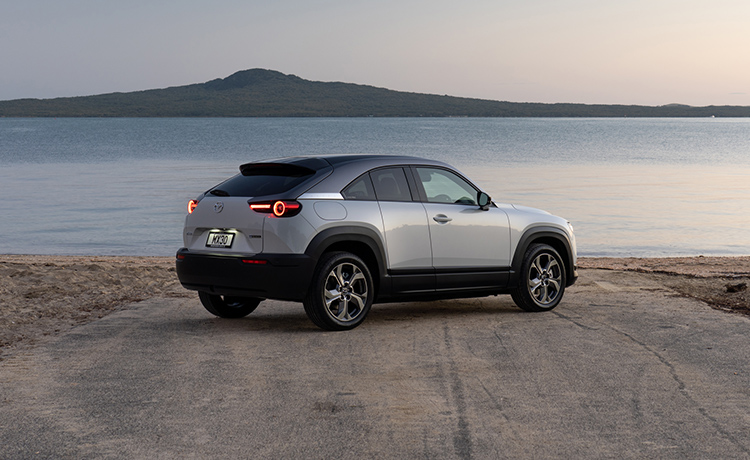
(293, 166)
(275, 169)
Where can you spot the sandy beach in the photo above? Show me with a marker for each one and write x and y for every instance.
(43, 295)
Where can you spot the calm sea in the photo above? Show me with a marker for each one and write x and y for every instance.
(631, 187)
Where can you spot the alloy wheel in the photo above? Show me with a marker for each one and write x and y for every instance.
(545, 279)
(345, 293)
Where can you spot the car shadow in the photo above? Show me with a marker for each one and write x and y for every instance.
(290, 316)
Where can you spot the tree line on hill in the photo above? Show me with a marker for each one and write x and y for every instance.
(267, 93)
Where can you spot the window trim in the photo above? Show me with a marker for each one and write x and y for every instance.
(418, 193)
(413, 190)
(423, 193)
(372, 186)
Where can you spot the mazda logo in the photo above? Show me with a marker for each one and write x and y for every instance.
(219, 206)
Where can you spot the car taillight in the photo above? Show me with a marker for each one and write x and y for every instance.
(280, 208)
(191, 205)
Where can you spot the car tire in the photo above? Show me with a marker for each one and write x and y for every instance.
(228, 307)
(341, 292)
(542, 281)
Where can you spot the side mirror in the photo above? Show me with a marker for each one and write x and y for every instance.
(484, 201)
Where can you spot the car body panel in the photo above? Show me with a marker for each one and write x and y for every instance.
(231, 214)
(526, 221)
(407, 235)
(287, 235)
(471, 238)
(364, 214)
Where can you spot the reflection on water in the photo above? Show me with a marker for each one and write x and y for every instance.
(636, 210)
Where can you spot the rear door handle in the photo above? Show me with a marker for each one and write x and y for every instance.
(442, 219)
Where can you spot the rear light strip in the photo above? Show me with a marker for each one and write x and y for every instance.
(280, 208)
(191, 205)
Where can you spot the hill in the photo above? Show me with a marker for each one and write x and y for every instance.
(267, 93)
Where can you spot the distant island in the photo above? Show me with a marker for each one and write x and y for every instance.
(267, 93)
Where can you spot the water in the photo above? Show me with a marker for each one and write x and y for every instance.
(631, 187)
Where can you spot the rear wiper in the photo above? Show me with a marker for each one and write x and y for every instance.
(219, 192)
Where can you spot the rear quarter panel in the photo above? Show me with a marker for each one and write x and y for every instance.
(294, 235)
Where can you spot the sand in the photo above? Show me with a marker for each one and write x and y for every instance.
(721, 282)
(43, 295)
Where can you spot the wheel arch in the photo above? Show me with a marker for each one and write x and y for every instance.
(363, 242)
(551, 236)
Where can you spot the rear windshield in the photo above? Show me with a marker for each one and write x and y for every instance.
(261, 181)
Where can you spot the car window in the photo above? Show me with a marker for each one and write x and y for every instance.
(360, 189)
(258, 185)
(260, 179)
(443, 186)
(390, 184)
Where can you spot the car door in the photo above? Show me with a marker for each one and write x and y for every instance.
(470, 246)
(407, 234)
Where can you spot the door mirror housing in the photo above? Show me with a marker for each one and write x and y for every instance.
(484, 201)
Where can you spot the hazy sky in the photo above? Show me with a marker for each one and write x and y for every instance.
(650, 52)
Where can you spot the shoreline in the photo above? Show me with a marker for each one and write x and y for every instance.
(42, 295)
(698, 266)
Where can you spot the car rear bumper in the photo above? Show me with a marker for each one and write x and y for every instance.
(268, 276)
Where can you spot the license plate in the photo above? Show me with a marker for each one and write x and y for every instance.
(219, 240)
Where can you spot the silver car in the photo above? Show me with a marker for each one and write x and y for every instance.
(342, 232)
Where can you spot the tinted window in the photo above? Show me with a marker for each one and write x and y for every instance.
(360, 189)
(443, 186)
(390, 184)
(261, 183)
